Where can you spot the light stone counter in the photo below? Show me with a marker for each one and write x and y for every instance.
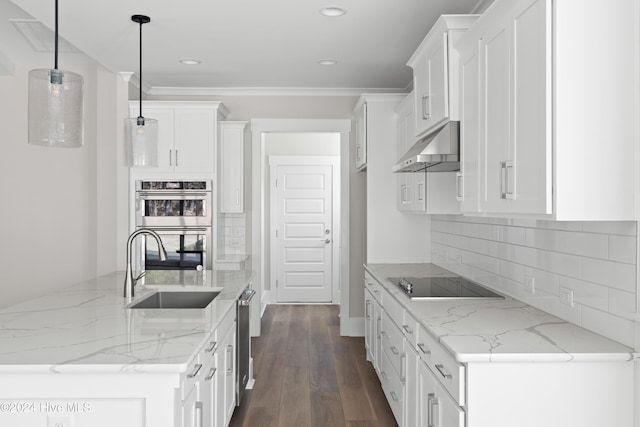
(87, 327)
(498, 330)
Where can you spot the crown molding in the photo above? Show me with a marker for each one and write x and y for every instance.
(266, 91)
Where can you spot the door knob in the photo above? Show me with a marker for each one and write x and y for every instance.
(327, 231)
(327, 241)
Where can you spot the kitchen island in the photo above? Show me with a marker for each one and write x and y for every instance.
(497, 362)
(80, 356)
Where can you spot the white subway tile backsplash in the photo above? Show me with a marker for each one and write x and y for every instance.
(613, 274)
(585, 293)
(626, 228)
(622, 249)
(610, 326)
(621, 302)
(597, 260)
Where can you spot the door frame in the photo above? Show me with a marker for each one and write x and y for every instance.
(259, 179)
(298, 160)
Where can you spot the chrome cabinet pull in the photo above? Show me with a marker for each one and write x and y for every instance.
(212, 345)
(230, 353)
(170, 155)
(212, 372)
(459, 183)
(378, 332)
(425, 114)
(196, 369)
(176, 157)
(432, 402)
(366, 310)
(444, 374)
(394, 396)
(421, 192)
(509, 183)
(395, 351)
(403, 368)
(503, 180)
(407, 329)
(423, 348)
(383, 374)
(199, 415)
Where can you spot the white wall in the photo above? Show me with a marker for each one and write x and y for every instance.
(48, 218)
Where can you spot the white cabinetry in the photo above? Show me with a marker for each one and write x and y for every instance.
(534, 140)
(208, 388)
(435, 71)
(186, 134)
(231, 168)
(373, 320)
(360, 119)
(427, 386)
(421, 192)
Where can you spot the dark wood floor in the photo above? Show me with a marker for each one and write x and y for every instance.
(306, 374)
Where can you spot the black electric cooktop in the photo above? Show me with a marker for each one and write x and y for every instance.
(442, 288)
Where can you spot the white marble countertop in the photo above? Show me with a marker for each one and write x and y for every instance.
(498, 330)
(87, 327)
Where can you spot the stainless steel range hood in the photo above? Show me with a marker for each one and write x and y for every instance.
(438, 152)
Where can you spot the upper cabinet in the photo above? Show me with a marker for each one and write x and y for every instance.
(186, 134)
(435, 74)
(231, 169)
(546, 111)
(360, 119)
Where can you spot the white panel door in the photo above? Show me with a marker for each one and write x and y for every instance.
(304, 233)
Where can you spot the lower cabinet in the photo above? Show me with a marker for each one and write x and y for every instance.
(426, 386)
(208, 392)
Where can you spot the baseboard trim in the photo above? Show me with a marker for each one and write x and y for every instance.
(352, 327)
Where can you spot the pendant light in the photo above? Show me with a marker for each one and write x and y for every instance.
(141, 133)
(55, 104)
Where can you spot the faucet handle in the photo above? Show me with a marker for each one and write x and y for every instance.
(139, 277)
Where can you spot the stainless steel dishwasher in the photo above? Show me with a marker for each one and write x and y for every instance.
(243, 346)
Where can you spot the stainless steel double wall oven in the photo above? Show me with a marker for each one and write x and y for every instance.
(181, 212)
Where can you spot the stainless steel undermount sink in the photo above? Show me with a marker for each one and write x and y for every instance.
(177, 299)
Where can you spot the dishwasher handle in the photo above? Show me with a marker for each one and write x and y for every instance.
(246, 297)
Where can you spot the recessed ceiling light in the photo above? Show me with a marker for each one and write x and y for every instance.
(332, 11)
(327, 62)
(188, 61)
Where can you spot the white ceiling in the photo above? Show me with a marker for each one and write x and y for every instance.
(245, 43)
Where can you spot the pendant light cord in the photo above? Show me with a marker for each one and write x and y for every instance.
(140, 85)
(55, 60)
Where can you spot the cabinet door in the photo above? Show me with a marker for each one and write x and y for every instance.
(164, 116)
(231, 168)
(495, 123)
(369, 324)
(435, 406)
(194, 137)
(361, 137)
(529, 179)
(405, 199)
(191, 408)
(207, 392)
(229, 373)
(411, 386)
(468, 188)
(430, 77)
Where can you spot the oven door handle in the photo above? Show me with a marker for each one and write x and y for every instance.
(171, 196)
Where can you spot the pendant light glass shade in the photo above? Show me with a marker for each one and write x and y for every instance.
(142, 142)
(55, 105)
(141, 133)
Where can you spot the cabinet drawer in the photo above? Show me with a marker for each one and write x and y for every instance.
(410, 328)
(393, 308)
(393, 344)
(393, 388)
(447, 370)
(374, 287)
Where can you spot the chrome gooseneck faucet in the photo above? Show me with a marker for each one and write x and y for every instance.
(129, 280)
